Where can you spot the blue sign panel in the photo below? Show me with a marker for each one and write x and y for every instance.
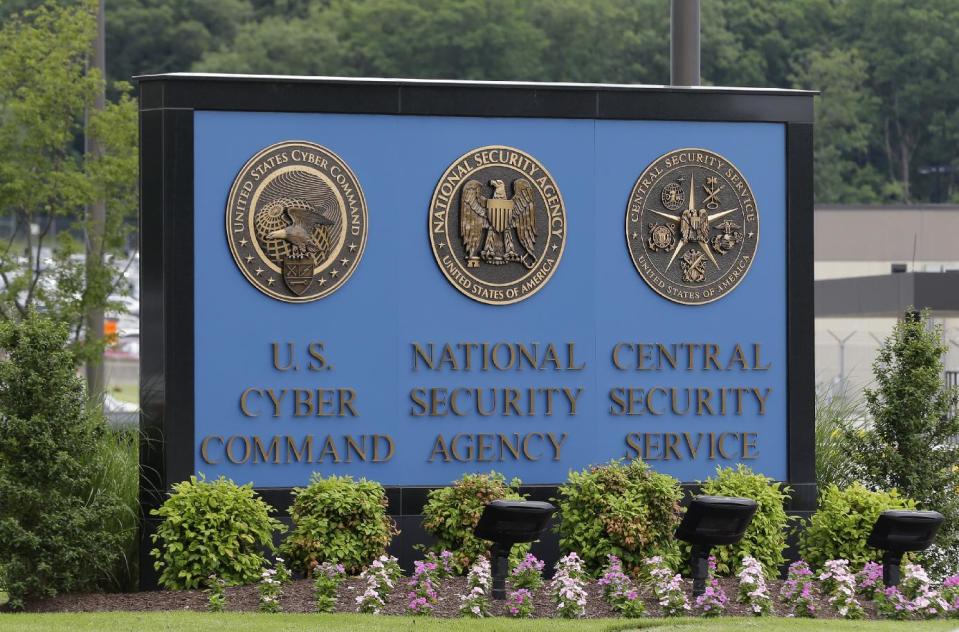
(400, 377)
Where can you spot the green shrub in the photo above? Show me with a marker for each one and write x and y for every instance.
(841, 526)
(451, 514)
(765, 539)
(54, 537)
(339, 520)
(626, 510)
(212, 528)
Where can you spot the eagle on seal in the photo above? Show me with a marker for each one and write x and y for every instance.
(303, 227)
(491, 222)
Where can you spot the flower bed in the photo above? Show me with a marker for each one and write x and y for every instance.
(298, 596)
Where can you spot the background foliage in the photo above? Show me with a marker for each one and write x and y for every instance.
(339, 520)
(765, 538)
(46, 98)
(451, 514)
(621, 509)
(61, 529)
(885, 67)
(839, 529)
(212, 527)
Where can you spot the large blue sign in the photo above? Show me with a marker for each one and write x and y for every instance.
(403, 378)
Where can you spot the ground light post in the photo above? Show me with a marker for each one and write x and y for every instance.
(712, 521)
(509, 522)
(899, 531)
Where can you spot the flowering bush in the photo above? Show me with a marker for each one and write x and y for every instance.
(327, 577)
(752, 587)
(371, 601)
(925, 602)
(631, 605)
(619, 591)
(479, 581)
(528, 573)
(387, 567)
(443, 562)
(271, 586)
(569, 587)
(713, 601)
(520, 604)
(380, 576)
(217, 594)
(668, 587)
(799, 591)
(840, 585)
(950, 592)
(422, 596)
(869, 580)
(613, 580)
(892, 604)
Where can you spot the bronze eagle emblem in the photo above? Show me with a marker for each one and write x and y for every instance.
(490, 223)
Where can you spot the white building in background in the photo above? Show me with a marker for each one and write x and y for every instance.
(871, 263)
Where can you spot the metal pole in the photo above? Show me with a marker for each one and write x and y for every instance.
(684, 43)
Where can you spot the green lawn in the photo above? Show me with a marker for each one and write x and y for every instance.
(236, 622)
(126, 392)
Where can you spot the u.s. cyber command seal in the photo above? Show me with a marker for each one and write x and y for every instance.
(692, 226)
(296, 221)
(497, 225)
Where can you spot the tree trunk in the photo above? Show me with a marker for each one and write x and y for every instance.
(96, 226)
(905, 160)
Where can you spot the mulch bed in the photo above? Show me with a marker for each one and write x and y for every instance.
(298, 597)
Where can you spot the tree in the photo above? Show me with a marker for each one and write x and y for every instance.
(53, 537)
(913, 56)
(845, 115)
(45, 180)
(909, 446)
(151, 36)
(469, 39)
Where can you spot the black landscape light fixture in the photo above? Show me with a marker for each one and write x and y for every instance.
(898, 531)
(509, 522)
(711, 521)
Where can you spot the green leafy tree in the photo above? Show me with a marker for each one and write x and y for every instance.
(54, 535)
(45, 91)
(909, 446)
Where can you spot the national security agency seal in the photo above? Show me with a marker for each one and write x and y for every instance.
(296, 221)
(692, 226)
(497, 225)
